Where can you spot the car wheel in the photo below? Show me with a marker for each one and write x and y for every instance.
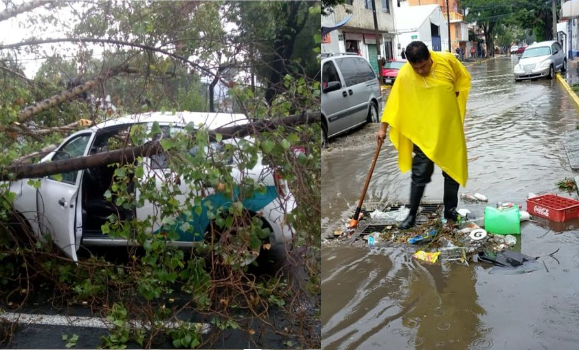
(373, 113)
(551, 72)
(324, 135)
(564, 67)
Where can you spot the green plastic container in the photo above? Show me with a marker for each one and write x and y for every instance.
(503, 222)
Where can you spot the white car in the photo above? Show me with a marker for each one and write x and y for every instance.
(72, 207)
(541, 60)
(514, 49)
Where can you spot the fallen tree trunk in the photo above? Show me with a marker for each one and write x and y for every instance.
(128, 155)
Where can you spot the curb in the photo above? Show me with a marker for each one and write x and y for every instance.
(479, 62)
(571, 93)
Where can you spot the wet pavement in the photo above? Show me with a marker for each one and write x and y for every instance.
(382, 298)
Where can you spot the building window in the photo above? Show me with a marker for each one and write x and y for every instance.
(385, 6)
(368, 4)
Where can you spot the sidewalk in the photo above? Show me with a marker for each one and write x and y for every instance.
(572, 75)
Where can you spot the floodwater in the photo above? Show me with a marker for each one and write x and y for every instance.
(382, 298)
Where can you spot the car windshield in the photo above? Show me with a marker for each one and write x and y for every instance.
(537, 51)
(393, 65)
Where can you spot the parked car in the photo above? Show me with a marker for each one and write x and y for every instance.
(351, 94)
(514, 49)
(72, 208)
(390, 70)
(541, 60)
(520, 50)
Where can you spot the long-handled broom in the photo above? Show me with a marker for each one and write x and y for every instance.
(354, 221)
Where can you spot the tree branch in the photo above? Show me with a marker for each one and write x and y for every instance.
(69, 94)
(105, 41)
(27, 6)
(127, 155)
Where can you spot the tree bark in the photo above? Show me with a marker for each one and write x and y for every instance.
(27, 6)
(69, 94)
(127, 155)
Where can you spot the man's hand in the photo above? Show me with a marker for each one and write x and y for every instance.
(381, 134)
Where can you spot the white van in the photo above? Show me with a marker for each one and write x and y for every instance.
(351, 94)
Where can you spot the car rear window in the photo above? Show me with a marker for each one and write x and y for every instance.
(355, 70)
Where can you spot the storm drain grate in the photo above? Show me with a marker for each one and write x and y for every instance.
(427, 208)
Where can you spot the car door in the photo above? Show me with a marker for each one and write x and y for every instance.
(58, 199)
(560, 55)
(355, 75)
(334, 103)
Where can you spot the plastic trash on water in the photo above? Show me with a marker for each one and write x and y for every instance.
(463, 212)
(423, 237)
(467, 197)
(481, 197)
(431, 257)
(371, 241)
(395, 215)
(524, 215)
(477, 234)
(453, 254)
(510, 240)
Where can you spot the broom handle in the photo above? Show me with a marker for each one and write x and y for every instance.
(368, 179)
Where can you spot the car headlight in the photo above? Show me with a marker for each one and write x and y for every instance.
(545, 64)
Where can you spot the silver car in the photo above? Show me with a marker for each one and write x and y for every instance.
(541, 60)
(351, 94)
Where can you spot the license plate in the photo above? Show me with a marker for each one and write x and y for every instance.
(388, 81)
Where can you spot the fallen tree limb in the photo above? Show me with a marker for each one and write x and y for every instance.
(128, 155)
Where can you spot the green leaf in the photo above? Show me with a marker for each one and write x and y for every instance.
(218, 137)
(267, 146)
(285, 144)
(155, 129)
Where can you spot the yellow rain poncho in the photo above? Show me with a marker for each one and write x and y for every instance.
(426, 111)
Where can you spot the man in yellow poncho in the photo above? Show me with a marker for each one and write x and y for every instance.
(425, 111)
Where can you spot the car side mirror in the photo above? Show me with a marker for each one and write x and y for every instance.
(332, 86)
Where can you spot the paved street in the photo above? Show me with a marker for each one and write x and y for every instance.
(515, 140)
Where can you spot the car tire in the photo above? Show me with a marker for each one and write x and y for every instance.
(324, 135)
(551, 72)
(564, 66)
(373, 113)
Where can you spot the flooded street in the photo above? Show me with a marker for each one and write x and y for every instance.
(382, 298)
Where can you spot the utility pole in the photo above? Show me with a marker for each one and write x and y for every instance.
(448, 23)
(554, 12)
(377, 39)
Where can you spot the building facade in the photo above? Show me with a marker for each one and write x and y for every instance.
(458, 27)
(358, 33)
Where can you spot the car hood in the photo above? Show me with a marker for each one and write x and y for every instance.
(532, 60)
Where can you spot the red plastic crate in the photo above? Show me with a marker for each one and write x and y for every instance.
(553, 207)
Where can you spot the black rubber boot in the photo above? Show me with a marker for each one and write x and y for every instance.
(450, 199)
(416, 193)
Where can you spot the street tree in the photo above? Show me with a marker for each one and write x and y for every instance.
(166, 56)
